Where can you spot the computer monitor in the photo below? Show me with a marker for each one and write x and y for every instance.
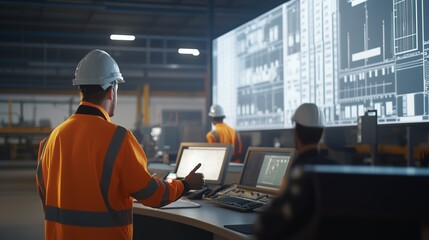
(214, 159)
(264, 168)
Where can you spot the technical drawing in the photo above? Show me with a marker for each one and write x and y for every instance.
(348, 56)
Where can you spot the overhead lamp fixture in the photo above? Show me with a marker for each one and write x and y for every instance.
(120, 37)
(192, 51)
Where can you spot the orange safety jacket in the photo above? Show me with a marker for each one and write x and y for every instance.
(89, 170)
(225, 134)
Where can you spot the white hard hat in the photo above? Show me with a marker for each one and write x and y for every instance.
(308, 115)
(97, 68)
(216, 111)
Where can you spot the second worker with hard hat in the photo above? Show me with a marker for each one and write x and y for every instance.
(222, 133)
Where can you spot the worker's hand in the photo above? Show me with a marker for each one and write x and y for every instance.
(195, 180)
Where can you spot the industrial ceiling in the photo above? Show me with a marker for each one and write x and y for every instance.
(41, 42)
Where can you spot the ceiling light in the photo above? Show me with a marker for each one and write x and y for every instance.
(192, 51)
(122, 37)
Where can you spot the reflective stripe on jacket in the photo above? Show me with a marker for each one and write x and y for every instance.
(225, 134)
(88, 173)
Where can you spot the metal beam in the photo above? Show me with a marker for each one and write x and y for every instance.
(138, 7)
(89, 47)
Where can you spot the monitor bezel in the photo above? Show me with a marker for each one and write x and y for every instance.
(225, 162)
(292, 152)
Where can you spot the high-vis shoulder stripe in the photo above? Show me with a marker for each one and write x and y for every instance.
(87, 218)
(216, 136)
(109, 161)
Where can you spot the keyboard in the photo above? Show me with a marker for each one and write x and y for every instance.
(237, 203)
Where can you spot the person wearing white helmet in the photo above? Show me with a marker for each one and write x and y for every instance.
(90, 169)
(224, 133)
(308, 130)
(290, 214)
(96, 74)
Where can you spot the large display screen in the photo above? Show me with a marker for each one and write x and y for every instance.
(347, 56)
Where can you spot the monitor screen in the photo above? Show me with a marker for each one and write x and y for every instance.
(265, 167)
(346, 56)
(214, 159)
(364, 190)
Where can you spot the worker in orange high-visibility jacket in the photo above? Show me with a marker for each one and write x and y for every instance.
(224, 133)
(90, 169)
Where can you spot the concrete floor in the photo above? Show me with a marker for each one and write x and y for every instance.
(21, 214)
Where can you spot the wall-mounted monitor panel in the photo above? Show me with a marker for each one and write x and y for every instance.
(347, 56)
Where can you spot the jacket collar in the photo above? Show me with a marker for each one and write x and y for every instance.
(98, 107)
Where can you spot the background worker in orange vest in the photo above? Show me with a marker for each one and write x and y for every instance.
(90, 169)
(223, 133)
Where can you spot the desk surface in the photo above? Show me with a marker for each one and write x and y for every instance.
(207, 217)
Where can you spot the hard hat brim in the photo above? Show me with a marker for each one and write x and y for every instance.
(214, 116)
